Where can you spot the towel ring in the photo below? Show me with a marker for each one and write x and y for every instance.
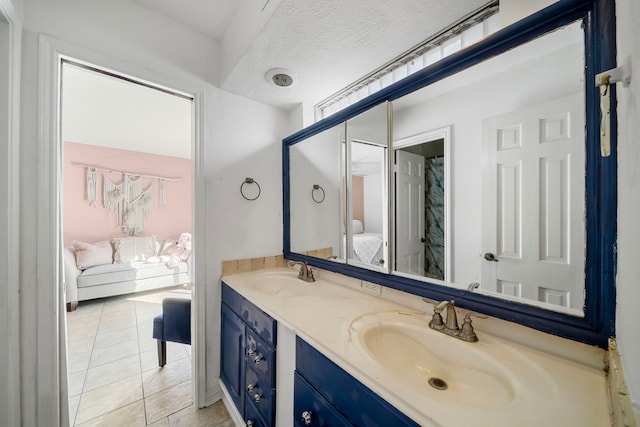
(320, 198)
(250, 181)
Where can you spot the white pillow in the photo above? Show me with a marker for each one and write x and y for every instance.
(92, 254)
(356, 226)
(130, 249)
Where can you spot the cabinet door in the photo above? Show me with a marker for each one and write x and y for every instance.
(359, 404)
(311, 409)
(232, 355)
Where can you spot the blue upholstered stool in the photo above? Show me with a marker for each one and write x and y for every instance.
(174, 324)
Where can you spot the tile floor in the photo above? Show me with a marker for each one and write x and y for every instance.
(114, 378)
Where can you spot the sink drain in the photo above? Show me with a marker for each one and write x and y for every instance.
(437, 383)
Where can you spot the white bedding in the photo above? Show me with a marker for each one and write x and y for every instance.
(367, 247)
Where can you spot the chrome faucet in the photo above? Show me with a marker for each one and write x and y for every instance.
(450, 325)
(305, 273)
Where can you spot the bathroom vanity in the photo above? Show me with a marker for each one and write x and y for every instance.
(248, 358)
(347, 357)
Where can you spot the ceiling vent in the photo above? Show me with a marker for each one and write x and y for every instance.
(280, 77)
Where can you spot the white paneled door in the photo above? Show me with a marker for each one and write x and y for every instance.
(410, 213)
(533, 204)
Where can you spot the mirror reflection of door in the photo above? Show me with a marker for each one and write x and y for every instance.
(420, 209)
(533, 203)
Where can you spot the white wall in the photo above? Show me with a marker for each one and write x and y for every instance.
(628, 289)
(242, 138)
(128, 31)
(514, 10)
(373, 207)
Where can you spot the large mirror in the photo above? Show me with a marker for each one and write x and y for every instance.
(493, 189)
(517, 184)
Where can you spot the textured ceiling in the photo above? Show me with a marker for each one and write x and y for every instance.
(331, 43)
(328, 44)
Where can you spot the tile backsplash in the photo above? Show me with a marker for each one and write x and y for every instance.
(254, 264)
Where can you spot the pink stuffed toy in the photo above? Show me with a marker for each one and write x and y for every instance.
(180, 252)
(175, 254)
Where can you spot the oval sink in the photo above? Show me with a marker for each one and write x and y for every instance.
(432, 364)
(280, 285)
(286, 284)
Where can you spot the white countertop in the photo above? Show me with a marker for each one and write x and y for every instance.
(547, 390)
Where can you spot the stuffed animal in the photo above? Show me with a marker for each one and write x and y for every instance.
(175, 253)
(180, 252)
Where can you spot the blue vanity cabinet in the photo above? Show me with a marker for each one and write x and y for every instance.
(356, 404)
(311, 409)
(248, 356)
(232, 355)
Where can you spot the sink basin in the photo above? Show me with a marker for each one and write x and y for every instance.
(280, 284)
(432, 364)
(285, 283)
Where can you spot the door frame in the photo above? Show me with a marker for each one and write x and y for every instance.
(50, 352)
(443, 133)
(10, 57)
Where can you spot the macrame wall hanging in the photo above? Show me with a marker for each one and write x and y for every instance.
(162, 193)
(91, 187)
(128, 199)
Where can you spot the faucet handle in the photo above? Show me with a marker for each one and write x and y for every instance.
(471, 314)
(437, 322)
(467, 333)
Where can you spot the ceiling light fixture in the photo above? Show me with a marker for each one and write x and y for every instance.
(280, 77)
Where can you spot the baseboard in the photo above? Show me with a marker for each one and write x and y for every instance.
(213, 397)
(231, 407)
(623, 413)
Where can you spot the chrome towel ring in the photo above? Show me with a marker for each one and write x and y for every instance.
(250, 181)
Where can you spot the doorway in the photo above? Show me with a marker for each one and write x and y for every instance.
(135, 141)
(422, 205)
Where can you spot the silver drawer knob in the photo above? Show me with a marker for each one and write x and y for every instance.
(250, 387)
(257, 359)
(257, 397)
(306, 417)
(250, 423)
(251, 352)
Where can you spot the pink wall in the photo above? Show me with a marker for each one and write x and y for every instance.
(93, 223)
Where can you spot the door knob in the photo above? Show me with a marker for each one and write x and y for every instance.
(490, 257)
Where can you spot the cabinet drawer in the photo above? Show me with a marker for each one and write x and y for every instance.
(260, 395)
(260, 357)
(255, 318)
(319, 412)
(360, 405)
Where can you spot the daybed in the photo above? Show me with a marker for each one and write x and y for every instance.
(120, 266)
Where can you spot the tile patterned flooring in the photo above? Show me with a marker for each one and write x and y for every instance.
(114, 378)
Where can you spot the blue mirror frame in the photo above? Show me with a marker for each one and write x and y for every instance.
(598, 323)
